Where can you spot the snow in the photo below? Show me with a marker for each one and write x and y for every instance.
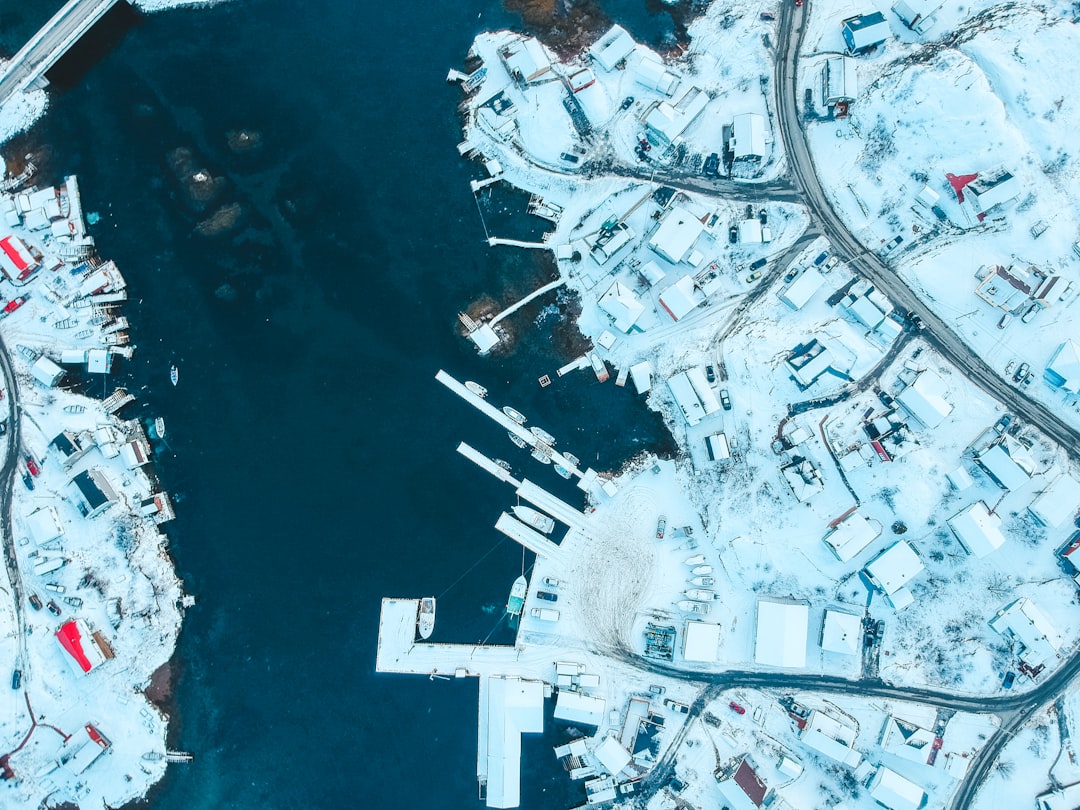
(781, 634)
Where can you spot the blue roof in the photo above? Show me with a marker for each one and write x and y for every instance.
(864, 21)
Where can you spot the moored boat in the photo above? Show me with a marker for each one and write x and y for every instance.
(574, 460)
(541, 456)
(599, 367)
(159, 427)
(174, 375)
(701, 594)
(425, 618)
(516, 415)
(697, 559)
(693, 607)
(543, 435)
(504, 464)
(517, 597)
(476, 388)
(701, 570)
(520, 442)
(533, 518)
(703, 582)
(561, 470)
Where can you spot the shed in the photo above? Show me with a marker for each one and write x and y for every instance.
(841, 632)
(865, 31)
(484, 337)
(46, 372)
(781, 634)
(797, 294)
(916, 14)
(717, 447)
(641, 374)
(750, 231)
(977, 529)
(99, 361)
(747, 137)
(701, 641)
(612, 48)
(1058, 502)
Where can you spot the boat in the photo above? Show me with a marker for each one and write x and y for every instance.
(561, 470)
(538, 520)
(112, 610)
(425, 619)
(174, 375)
(697, 559)
(599, 367)
(541, 456)
(574, 460)
(703, 582)
(159, 427)
(701, 570)
(504, 464)
(693, 607)
(517, 416)
(476, 388)
(520, 442)
(701, 594)
(517, 597)
(74, 408)
(543, 435)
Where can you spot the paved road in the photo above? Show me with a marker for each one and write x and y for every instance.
(7, 480)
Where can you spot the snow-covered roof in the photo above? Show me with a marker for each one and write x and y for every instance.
(864, 311)
(484, 337)
(669, 121)
(641, 374)
(894, 567)
(960, 478)
(622, 305)
(612, 755)
(612, 47)
(75, 639)
(1002, 467)
(851, 536)
(15, 258)
(801, 290)
(830, 737)
(1066, 798)
(750, 231)
(1063, 370)
(701, 640)
(891, 790)
(677, 235)
(705, 394)
(841, 632)
(841, 81)
(781, 634)
(865, 30)
(914, 13)
(747, 136)
(1023, 621)
(514, 707)
(681, 298)
(741, 787)
(686, 398)
(652, 273)
(925, 399)
(44, 525)
(906, 739)
(650, 72)
(527, 59)
(81, 749)
(46, 372)
(1058, 502)
(977, 529)
(992, 188)
(574, 707)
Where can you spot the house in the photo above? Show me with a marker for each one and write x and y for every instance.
(43, 525)
(781, 634)
(681, 298)
(891, 570)
(651, 73)
(850, 536)
(916, 14)
(16, 260)
(894, 792)
(925, 399)
(841, 632)
(75, 638)
(1065, 798)
(809, 361)
(135, 453)
(611, 755)
(578, 709)
(93, 492)
(1007, 462)
(803, 478)
(667, 122)
(1009, 289)
(514, 707)
(72, 446)
(906, 739)
(46, 372)
(81, 749)
(977, 529)
(992, 188)
(862, 310)
(831, 738)
(741, 787)
(701, 641)
(865, 31)
(525, 59)
(689, 399)
(677, 235)
(717, 447)
(612, 48)
(747, 140)
(605, 243)
(1021, 621)
(799, 292)
(839, 83)
(622, 305)
(1058, 502)
(1063, 369)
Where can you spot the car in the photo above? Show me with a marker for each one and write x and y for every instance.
(763, 216)
(16, 679)
(1008, 681)
(710, 374)
(1004, 320)
(798, 3)
(1010, 366)
(733, 234)
(938, 742)
(53, 608)
(626, 102)
(52, 586)
(32, 466)
(830, 263)
(725, 400)
(1002, 424)
(35, 601)
(28, 480)
(661, 527)
(917, 323)
(551, 582)
(758, 264)
(767, 17)
(790, 274)
(735, 707)
(682, 708)
(657, 690)
(14, 304)
(821, 257)
(749, 211)
(1032, 311)
(750, 279)
(894, 242)
(569, 158)
(627, 788)
(712, 165)
(547, 597)
(1029, 377)
(1021, 372)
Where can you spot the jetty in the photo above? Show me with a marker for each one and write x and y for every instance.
(510, 310)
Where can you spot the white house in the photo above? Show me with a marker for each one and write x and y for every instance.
(799, 292)
(612, 48)
(526, 59)
(747, 137)
(839, 82)
(1022, 621)
(669, 121)
(841, 632)
(46, 372)
(916, 14)
(781, 634)
(992, 188)
(850, 536)
(677, 235)
(865, 31)
(1058, 502)
(892, 569)
(895, 792)
(681, 298)
(1007, 462)
(830, 737)
(624, 307)
(925, 399)
(44, 525)
(1063, 370)
(650, 72)
(977, 529)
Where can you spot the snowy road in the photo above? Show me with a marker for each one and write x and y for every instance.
(7, 481)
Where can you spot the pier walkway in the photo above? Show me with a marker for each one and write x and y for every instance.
(510, 310)
(528, 537)
(27, 68)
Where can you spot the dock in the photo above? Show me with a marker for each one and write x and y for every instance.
(528, 537)
(546, 502)
(485, 463)
(510, 310)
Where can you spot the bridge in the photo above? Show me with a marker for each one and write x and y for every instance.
(26, 70)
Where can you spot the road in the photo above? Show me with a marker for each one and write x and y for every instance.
(12, 456)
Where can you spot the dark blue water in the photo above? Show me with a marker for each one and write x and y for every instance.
(312, 453)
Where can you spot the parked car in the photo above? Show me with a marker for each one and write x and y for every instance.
(626, 102)
(569, 158)
(821, 257)
(733, 234)
(16, 679)
(1021, 372)
(763, 217)
(830, 263)
(750, 279)
(661, 527)
(790, 274)
(1005, 319)
(725, 400)
(710, 374)
(14, 304)
(760, 263)
(547, 597)
(1008, 682)
(749, 211)
(551, 582)
(35, 601)
(53, 608)
(32, 466)
(894, 242)
(657, 690)
(767, 17)
(735, 707)
(682, 708)
(712, 165)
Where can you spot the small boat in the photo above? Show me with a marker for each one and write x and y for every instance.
(159, 427)
(517, 416)
(517, 597)
(599, 367)
(476, 388)
(574, 460)
(694, 607)
(561, 470)
(701, 595)
(504, 464)
(697, 559)
(112, 610)
(701, 570)
(425, 618)
(174, 375)
(74, 408)
(520, 442)
(543, 435)
(703, 582)
(541, 456)
(538, 520)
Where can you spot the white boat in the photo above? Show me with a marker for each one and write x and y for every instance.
(504, 464)
(517, 416)
(697, 559)
(517, 597)
(701, 594)
(520, 442)
(703, 582)
(425, 618)
(476, 388)
(574, 460)
(541, 456)
(701, 570)
(561, 470)
(599, 367)
(159, 427)
(694, 607)
(531, 517)
(543, 435)
(174, 375)
(74, 408)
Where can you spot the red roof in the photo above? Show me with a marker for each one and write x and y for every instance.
(71, 640)
(13, 253)
(747, 779)
(958, 183)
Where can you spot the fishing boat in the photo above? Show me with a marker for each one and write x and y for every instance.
(74, 408)
(701, 595)
(574, 460)
(694, 607)
(701, 570)
(174, 375)
(703, 582)
(561, 470)
(543, 435)
(504, 464)
(599, 367)
(538, 520)
(520, 442)
(159, 427)
(697, 559)
(517, 597)
(517, 416)
(541, 456)
(425, 617)
(476, 388)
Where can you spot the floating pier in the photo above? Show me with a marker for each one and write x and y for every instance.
(485, 463)
(528, 537)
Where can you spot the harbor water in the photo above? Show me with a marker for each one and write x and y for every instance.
(307, 292)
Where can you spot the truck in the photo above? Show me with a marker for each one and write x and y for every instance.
(546, 614)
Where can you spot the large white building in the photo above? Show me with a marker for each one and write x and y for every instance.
(677, 235)
(781, 634)
(514, 707)
(925, 399)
